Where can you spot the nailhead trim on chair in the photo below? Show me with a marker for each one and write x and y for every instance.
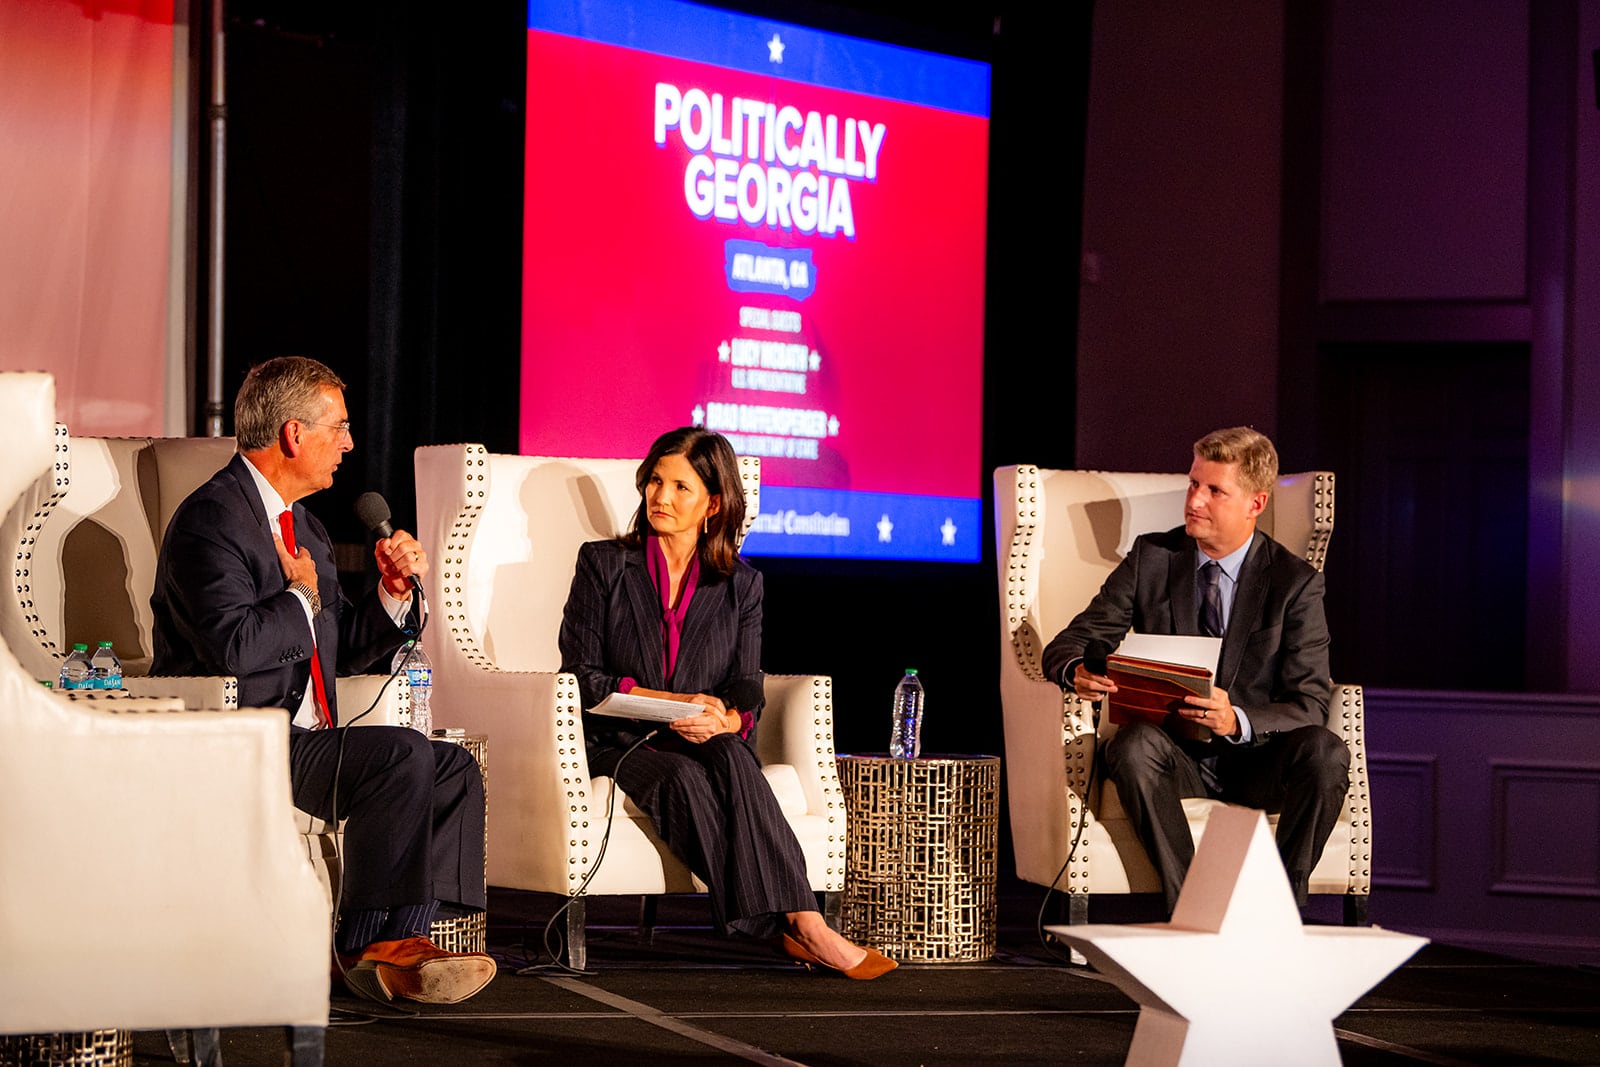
(22, 570)
(750, 476)
(1020, 595)
(1358, 799)
(453, 567)
(1080, 728)
(828, 774)
(574, 763)
(1321, 519)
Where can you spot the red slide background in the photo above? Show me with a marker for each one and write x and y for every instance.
(626, 299)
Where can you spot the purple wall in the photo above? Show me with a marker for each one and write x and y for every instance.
(1424, 151)
(1447, 163)
(1486, 820)
(1180, 229)
(1581, 466)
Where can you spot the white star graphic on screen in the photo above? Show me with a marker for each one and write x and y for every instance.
(833, 426)
(948, 531)
(816, 360)
(1236, 939)
(722, 351)
(699, 415)
(775, 49)
(885, 528)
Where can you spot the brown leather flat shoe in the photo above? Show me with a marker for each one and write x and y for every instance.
(417, 969)
(875, 963)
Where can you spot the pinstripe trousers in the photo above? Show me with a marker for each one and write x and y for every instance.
(712, 807)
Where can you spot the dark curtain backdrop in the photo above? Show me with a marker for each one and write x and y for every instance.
(374, 221)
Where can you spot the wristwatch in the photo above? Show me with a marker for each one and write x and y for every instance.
(311, 596)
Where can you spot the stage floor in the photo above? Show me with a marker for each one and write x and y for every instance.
(691, 997)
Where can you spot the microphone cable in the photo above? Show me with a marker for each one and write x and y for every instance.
(415, 637)
(555, 965)
(1049, 944)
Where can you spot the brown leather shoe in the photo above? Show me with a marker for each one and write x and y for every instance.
(417, 969)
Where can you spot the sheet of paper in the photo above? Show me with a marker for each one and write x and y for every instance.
(651, 709)
(1173, 648)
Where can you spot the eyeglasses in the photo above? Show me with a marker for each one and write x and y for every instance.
(342, 427)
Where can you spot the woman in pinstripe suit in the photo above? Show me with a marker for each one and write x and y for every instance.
(671, 611)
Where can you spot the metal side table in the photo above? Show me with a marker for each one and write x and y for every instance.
(919, 882)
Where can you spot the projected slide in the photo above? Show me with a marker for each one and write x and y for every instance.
(771, 231)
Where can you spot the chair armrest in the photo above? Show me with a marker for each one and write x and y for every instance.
(1050, 752)
(545, 827)
(222, 691)
(121, 702)
(797, 728)
(167, 835)
(357, 693)
(196, 691)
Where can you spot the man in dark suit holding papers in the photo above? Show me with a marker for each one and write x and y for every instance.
(1219, 576)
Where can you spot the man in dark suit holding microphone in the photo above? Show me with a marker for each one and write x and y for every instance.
(1219, 576)
(246, 585)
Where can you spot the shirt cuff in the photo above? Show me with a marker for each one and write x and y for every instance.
(747, 722)
(626, 685)
(1246, 732)
(394, 607)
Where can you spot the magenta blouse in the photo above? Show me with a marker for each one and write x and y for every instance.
(672, 615)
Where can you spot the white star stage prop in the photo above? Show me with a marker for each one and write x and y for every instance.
(1235, 978)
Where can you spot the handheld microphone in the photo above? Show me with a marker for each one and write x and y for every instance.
(373, 511)
(1095, 652)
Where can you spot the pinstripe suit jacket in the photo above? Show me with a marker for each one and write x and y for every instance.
(611, 629)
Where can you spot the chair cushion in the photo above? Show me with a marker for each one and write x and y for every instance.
(785, 783)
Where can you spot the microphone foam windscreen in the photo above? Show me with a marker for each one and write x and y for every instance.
(372, 510)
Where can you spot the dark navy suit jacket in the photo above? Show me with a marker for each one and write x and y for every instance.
(611, 630)
(222, 606)
(1274, 661)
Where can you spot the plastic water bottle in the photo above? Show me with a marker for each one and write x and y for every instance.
(906, 740)
(419, 673)
(107, 667)
(75, 670)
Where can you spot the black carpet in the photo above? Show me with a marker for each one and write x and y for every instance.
(690, 997)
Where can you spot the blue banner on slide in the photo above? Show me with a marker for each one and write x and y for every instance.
(753, 267)
(779, 49)
(848, 524)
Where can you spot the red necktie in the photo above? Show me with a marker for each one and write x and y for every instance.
(324, 719)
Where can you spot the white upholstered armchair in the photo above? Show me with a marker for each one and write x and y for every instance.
(83, 540)
(502, 533)
(1058, 535)
(154, 882)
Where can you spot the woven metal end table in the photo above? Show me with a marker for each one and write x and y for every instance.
(919, 881)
